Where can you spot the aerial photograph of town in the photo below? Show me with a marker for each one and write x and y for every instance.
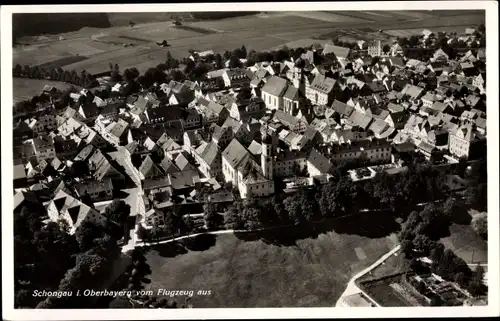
(249, 159)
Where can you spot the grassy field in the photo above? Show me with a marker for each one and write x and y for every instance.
(465, 242)
(25, 88)
(258, 32)
(261, 271)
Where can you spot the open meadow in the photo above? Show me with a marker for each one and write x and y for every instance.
(26, 88)
(278, 269)
(92, 49)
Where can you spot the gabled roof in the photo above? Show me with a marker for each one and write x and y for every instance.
(182, 162)
(148, 166)
(358, 119)
(291, 93)
(210, 152)
(339, 52)
(319, 161)
(275, 86)
(342, 108)
(168, 166)
(236, 154)
(412, 90)
(255, 148)
(323, 84)
(285, 118)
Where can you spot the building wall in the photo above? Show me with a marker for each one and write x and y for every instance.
(257, 190)
(230, 174)
(45, 153)
(271, 101)
(458, 146)
(287, 168)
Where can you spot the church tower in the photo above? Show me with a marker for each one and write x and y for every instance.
(266, 158)
(299, 81)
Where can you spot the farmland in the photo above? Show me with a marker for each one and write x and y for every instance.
(97, 47)
(258, 271)
(25, 88)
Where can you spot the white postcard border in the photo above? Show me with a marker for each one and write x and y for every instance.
(9, 313)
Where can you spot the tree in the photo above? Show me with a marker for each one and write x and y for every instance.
(476, 285)
(243, 52)
(86, 234)
(481, 28)
(118, 211)
(227, 54)
(407, 248)
(480, 224)
(172, 223)
(218, 61)
(17, 70)
(212, 219)
(234, 62)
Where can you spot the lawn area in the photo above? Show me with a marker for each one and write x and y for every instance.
(26, 88)
(464, 241)
(259, 271)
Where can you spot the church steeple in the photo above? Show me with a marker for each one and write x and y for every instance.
(266, 156)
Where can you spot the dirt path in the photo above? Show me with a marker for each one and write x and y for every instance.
(352, 288)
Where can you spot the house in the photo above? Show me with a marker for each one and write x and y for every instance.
(357, 119)
(412, 91)
(20, 177)
(170, 116)
(149, 170)
(222, 136)
(292, 100)
(429, 151)
(322, 90)
(295, 124)
(317, 164)
(466, 141)
(440, 54)
(43, 147)
(373, 151)
(97, 191)
(273, 91)
(479, 81)
(238, 77)
(208, 157)
(45, 123)
(341, 53)
(73, 211)
(114, 132)
(211, 112)
(102, 167)
(240, 109)
(397, 62)
(430, 98)
(89, 111)
(375, 49)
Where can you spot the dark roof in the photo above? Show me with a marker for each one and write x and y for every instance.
(342, 108)
(235, 153)
(292, 93)
(90, 110)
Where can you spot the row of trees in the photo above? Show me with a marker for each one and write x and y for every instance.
(398, 193)
(83, 79)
